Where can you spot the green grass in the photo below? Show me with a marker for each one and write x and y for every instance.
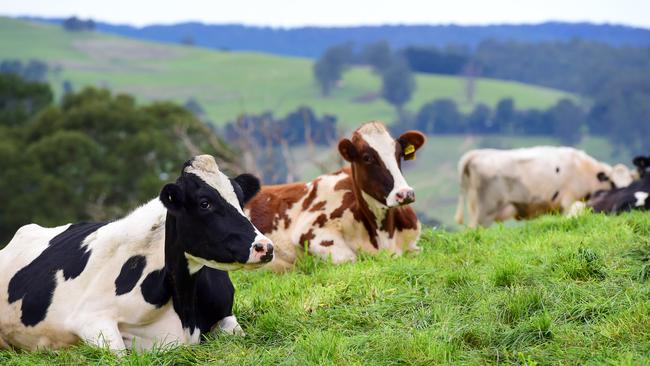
(228, 84)
(552, 291)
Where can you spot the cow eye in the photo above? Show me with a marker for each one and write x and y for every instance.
(205, 205)
(367, 158)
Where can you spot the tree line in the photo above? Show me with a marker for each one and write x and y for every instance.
(92, 156)
(615, 80)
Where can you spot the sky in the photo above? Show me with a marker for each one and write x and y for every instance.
(294, 13)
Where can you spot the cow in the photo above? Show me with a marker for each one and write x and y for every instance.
(632, 197)
(525, 183)
(360, 208)
(156, 277)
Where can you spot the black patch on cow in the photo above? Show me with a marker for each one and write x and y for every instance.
(155, 289)
(130, 274)
(215, 294)
(557, 169)
(555, 195)
(35, 283)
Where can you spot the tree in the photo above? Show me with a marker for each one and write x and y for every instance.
(440, 116)
(20, 99)
(378, 55)
(504, 116)
(398, 85)
(95, 156)
(74, 24)
(567, 120)
(480, 120)
(328, 70)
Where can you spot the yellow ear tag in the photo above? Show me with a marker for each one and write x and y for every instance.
(409, 152)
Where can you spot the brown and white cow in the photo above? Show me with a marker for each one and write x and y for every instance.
(360, 208)
(525, 183)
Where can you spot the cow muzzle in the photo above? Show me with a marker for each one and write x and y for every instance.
(261, 251)
(405, 196)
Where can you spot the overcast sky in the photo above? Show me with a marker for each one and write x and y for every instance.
(292, 13)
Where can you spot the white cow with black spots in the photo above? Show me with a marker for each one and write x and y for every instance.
(152, 278)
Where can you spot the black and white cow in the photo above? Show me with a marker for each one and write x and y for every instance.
(153, 278)
(636, 196)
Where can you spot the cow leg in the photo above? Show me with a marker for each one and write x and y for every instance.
(103, 333)
(230, 325)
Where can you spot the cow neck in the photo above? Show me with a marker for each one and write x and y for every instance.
(181, 282)
(374, 215)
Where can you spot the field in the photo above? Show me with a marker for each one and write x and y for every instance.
(552, 291)
(227, 84)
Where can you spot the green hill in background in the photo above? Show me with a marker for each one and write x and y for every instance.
(227, 84)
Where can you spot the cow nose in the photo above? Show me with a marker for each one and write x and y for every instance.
(264, 248)
(405, 196)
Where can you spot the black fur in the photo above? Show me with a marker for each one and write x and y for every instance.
(130, 274)
(35, 283)
(623, 199)
(155, 288)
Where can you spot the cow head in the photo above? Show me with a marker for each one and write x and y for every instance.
(205, 216)
(376, 160)
(618, 176)
(641, 163)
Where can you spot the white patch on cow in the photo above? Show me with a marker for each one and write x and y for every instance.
(192, 336)
(640, 198)
(206, 168)
(378, 138)
(230, 325)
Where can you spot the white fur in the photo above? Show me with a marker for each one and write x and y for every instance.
(499, 178)
(640, 198)
(385, 146)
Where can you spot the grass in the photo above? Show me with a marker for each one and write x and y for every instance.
(551, 291)
(228, 84)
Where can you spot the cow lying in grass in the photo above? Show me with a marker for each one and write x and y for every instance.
(151, 278)
(633, 197)
(361, 208)
(525, 183)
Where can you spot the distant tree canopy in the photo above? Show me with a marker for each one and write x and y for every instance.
(328, 70)
(398, 84)
(93, 157)
(74, 24)
(20, 100)
(33, 70)
(434, 61)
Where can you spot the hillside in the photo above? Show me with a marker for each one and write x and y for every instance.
(227, 84)
(553, 291)
(312, 41)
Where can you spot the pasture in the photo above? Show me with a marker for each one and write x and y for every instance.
(228, 84)
(551, 291)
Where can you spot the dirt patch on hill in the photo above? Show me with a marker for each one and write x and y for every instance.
(116, 49)
(366, 98)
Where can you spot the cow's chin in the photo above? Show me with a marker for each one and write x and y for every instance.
(196, 263)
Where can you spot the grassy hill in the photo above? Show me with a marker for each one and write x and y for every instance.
(227, 84)
(553, 291)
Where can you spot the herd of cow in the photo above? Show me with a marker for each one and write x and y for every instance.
(159, 276)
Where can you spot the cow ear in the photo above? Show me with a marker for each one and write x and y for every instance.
(602, 177)
(347, 150)
(172, 197)
(641, 162)
(250, 186)
(411, 141)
